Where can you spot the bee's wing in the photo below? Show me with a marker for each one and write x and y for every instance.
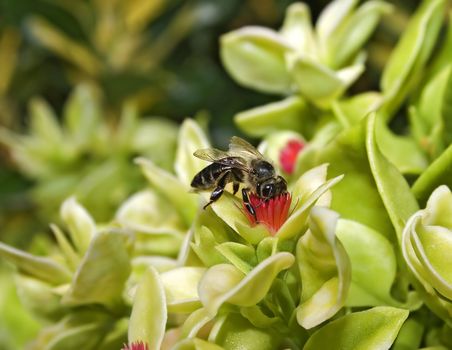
(221, 157)
(240, 147)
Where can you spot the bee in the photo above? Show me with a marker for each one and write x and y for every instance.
(241, 164)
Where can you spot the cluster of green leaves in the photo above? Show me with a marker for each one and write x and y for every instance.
(357, 264)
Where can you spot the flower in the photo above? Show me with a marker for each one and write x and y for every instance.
(137, 345)
(272, 212)
(288, 155)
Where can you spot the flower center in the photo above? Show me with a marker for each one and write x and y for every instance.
(138, 345)
(288, 155)
(271, 212)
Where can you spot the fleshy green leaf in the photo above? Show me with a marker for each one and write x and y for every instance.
(42, 268)
(196, 344)
(171, 188)
(225, 283)
(411, 53)
(80, 224)
(44, 124)
(191, 138)
(438, 173)
(289, 114)
(351, 110)
(94, 281)
(255, 57)
(324, 268)
(374, 329)
(147, 212)
(149, 314)
(181, 288)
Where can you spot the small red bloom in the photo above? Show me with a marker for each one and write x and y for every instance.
(137, 345)
(272, 212)
(288, 155)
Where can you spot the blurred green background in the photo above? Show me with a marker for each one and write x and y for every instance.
(125, 73)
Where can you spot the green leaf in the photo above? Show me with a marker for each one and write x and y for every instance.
(255, 57)
(94, 281)
(373, 263)
(80, 224)
(44, 124)
(297, 29)
(411, 53)
(147, 212)
(42, 268)
(324, 268)
(241, 256)
(374, 329)
(225, 283)
(392, 186)
(149, 313)
(181, 288)
(289, 114)
(235, 333)
(350, 111)
(191, 138)
(171, 188)
(204, 246)
(196, 344)
(438, 173)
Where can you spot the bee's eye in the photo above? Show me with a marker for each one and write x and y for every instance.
(267, 191)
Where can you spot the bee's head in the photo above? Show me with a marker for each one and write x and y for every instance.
(262, 169)
(271, 187)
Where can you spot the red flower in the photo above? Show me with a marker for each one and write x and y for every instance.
(272, 212)
(137, 345)
(288, 155)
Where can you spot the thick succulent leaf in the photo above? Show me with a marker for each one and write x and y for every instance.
(374, 266)
(147, 212)
(225, 283)
(79, 222)
(68, 251)
(297, 29)
(41, 268)
(194, 323)
(315, 81)
(296, 222)
(411, 53)
(44, 123)
(324, 268)
(181, 288)
(410, 335)
(350, 111)
(288, 114)
(240, 255)
(191, 138)
(331, 18)
(392, 186)
(235, 333)
(82, 116)
(255, 57)
(94, 281)
(439, 208)
(438, 173)
(196, 344)
(349, 37)
(171, 188)
(149, 313)
(204, 245)
(374, 329)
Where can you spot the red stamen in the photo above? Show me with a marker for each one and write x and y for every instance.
(288, 155)
(272, 212)
(137, 345)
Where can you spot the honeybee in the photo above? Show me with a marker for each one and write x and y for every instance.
(242, 163)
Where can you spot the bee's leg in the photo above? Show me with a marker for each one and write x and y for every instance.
(218, 191)
(246, 202)
(235, 187)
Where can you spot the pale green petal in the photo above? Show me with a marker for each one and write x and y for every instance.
(149, 313)
(225, 283)
(196, 344)
(374, 329)
(79, 222)
(324, 268)
(194, 322)
(191, 138)
(181, 288)
(439, 208)
(255, 57)
(94, 281)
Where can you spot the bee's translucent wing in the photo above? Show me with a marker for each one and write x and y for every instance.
(240, 147)
(217, 156)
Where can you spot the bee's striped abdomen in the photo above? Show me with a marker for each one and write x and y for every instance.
(207, 178)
